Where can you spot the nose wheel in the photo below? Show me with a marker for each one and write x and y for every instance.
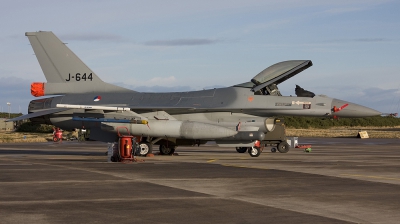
(254, 151)
(145, 148)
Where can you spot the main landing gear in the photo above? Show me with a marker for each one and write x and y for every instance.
(167, 149)
(241, 149)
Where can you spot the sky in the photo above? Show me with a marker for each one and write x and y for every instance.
(181, 45)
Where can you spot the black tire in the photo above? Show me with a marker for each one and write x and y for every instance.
(172, 150)
(241, 149)
(273, 149)
(283, 147)
(145, 148)
(254, 151)
(55, 139)
(164, 150)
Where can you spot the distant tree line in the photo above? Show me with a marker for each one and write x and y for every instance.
(12, 115)
(314, 122)
(31, 127)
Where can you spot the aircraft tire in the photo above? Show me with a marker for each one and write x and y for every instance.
(283, 147)
(241, 149)
(145, 148)
(172, 150)
(164, 150)
(254, 151)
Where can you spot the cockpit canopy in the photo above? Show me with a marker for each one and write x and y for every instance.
(266, 82)
(281, 71)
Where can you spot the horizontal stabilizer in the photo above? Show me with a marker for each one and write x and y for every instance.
(38, 113)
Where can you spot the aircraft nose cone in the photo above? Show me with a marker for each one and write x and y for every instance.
(352, 109)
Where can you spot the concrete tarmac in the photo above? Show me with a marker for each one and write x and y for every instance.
(343, 180)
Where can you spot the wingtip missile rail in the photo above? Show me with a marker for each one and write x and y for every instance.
(110, 120)
(91, 107)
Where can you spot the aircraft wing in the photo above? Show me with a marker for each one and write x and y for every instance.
(38, 113)
(64, 107)
(125, 112)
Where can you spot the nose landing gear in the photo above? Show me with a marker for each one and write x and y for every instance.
(254, 151)
(145, 148)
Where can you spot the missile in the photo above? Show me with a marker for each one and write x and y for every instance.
(92, 107)
(174, 129)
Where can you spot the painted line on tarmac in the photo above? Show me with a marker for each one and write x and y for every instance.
(67, 181)
(103, 200)
(372, 177)
(248, 167)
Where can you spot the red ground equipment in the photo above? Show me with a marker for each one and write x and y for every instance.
(307, 148)
(57, 135)
(125, 144)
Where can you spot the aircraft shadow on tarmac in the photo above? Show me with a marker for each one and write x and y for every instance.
(50, 152)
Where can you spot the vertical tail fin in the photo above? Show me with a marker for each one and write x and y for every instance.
(64, 71)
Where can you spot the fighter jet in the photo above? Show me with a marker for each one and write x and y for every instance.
(239, 115)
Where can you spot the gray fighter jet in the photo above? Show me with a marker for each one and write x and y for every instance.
(236, 116)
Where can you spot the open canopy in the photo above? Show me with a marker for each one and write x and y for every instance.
(279, 73)
(282, 70)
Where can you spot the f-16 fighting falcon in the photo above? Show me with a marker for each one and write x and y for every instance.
(233, 116)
